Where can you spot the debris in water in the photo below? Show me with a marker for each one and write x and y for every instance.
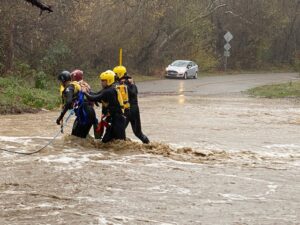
(129, 147)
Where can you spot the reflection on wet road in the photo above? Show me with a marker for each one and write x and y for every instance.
(224, 158)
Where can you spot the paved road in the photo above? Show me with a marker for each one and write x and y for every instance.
(214, 84)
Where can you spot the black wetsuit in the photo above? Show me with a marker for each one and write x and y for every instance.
(134, 113)
(110, 106)
(85, 113)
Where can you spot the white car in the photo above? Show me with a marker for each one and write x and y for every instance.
(182, 69)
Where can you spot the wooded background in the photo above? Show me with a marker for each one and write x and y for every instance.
(87, 34)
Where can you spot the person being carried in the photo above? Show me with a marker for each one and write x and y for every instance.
(111, 107)
(125, 82)
(77, 75)
(73, 98)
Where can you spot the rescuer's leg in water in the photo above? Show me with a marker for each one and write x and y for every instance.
(133, 113)
(111, 107)
(116, 130)
(135, 120)
(83, 124)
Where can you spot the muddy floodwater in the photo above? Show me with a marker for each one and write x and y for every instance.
(217, 157)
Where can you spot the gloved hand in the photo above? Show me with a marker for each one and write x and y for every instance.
(131, 80)
(59, 119)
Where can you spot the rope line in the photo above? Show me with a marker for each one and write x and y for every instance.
(45, 146)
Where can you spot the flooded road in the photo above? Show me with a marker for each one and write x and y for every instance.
(217, 157)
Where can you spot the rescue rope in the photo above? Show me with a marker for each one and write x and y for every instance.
(49, 143)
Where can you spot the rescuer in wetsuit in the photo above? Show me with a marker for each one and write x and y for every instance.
(73, 98)
(111, 107)
(133, 114)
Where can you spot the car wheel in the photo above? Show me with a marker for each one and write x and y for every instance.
(185, 76)
(196, 75)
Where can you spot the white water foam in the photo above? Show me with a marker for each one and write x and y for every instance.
(21, 138)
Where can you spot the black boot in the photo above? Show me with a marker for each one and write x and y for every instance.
(145, 140)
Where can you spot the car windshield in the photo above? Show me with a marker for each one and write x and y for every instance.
(180, 63)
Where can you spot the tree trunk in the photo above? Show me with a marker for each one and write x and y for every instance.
(9, 49)
(286, 56)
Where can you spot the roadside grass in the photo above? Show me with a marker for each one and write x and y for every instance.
(18, 95)
(286, 90)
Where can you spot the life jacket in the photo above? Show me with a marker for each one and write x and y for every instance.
(61, 89)
(78, 102)
(105, 105)
(123, 91)
(77, 87)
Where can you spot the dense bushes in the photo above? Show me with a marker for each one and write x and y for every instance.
(17, 92)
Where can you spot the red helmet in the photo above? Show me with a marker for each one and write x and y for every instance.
(77, 75)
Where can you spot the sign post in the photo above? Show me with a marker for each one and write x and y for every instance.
(228, 37)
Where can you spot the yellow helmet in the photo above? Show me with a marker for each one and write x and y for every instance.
(109, 76)
(120, 71)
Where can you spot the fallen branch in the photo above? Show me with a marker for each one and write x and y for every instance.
(42, 6)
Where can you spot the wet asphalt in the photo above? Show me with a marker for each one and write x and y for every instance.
(213, 85)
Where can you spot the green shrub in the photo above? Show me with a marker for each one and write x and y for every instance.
(16, 92)
(8, 82)
(40, 80)
(38, 98)
(24, 70)
(55, 57)
(206, 61)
